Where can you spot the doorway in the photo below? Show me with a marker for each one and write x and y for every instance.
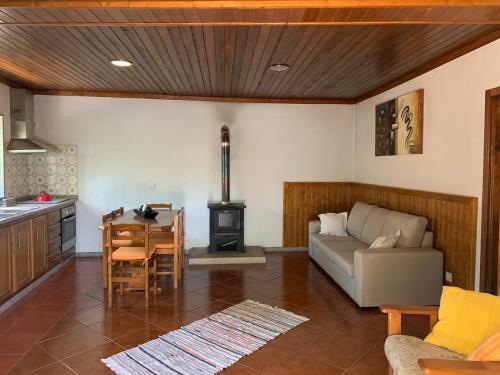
(490, 249)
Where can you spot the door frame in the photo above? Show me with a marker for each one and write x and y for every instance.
(489, 270)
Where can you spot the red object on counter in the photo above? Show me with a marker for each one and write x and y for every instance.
(43, 197)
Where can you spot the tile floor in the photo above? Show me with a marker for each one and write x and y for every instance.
(64, 326)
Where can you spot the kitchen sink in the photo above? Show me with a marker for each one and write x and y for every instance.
(5, 215)
(18, 208)
(6, 212)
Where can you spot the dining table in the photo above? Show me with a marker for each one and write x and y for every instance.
(163, 221)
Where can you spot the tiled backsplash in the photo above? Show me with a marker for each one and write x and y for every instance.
(54, 172)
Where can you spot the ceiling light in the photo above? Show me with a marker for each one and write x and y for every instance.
(278, 67)
(121, 63)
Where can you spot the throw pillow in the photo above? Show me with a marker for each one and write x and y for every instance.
(488, 350)
(333, 224)
(386, 242)
(465, 320)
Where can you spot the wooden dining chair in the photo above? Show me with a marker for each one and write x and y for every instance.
(130, 261)
(160, 206)
(104, 221)
(166, 243)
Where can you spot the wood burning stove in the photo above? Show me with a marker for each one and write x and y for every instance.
(226, 217)
(227, 226)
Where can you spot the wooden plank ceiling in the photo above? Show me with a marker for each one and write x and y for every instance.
(335, 54)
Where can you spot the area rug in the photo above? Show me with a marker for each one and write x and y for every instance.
(209, 345)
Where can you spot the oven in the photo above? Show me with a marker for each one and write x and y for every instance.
(68, 228)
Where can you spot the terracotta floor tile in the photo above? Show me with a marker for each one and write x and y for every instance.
(140, 337)
(13, 315)
(95, 314)
(72, 343)
(335, 352)
(374, 362)
(17, 343)
(64, 325)
(120, 326)
(299, 364)
(40, 320)
(267, 357)
(217, 291)
(338, 336)
(244, 295)
(238, 369)
(211, 308)
(175, 322)
(53, 369)
(7, 361)
(32, 360)
(89, 362)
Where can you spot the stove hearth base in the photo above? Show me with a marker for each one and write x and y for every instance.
(200, 256)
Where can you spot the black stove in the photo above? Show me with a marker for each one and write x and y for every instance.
(227, 218)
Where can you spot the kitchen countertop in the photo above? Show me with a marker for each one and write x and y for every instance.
(41, 209)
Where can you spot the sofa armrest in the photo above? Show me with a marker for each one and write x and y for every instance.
(394, 314)
(399, 276)
(314, 226)
(458, 367)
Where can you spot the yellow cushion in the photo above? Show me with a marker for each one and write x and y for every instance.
(130, 253)
(488, 350)
(465, 320)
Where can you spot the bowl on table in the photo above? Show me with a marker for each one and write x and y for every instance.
(146, 214)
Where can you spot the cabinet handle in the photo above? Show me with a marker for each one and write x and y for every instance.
(18, 240)
(37, 233)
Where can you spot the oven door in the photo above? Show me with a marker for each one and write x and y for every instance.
(68, 232)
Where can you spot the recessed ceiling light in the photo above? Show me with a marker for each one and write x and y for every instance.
(278, 67)
(121, 63)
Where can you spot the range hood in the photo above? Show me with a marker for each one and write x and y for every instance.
(22, 124)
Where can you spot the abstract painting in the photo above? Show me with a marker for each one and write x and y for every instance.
(399, 125)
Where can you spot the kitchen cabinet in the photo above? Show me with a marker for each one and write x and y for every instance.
(5, 263)
(54, 239)
(21, 249)
(38, 246)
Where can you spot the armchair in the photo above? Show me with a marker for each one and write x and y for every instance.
(411, 356)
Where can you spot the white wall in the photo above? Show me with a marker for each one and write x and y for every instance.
(125, 145)
(452, 161)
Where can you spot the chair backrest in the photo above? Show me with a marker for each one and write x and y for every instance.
(181, 228)
(138, 234)
(161, 206)
(112, 215)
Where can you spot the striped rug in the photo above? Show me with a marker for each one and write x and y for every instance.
(209, 345)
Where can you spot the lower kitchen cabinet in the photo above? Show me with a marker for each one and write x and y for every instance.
(38, 246)
(5, 263)
(21, 249)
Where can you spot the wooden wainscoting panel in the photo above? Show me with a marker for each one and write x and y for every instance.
(303, 201)
(452, 218)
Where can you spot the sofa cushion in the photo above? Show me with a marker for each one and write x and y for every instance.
(342, 254)
(317, 238)
(466, 319)
(333, 224)
(402, 352)
(357, 218)
(412, 228)
(374, 224)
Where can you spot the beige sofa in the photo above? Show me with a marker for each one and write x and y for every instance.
(411, 274)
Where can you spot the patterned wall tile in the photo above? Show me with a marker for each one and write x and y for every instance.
(54, 172)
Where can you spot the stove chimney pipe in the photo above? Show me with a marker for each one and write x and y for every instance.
(225, 143)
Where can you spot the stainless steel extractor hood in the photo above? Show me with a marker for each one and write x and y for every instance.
(22, 124)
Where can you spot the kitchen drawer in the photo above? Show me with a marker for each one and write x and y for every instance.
(54, 231)
(54, 245)
(53, 259)
(54, 218)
